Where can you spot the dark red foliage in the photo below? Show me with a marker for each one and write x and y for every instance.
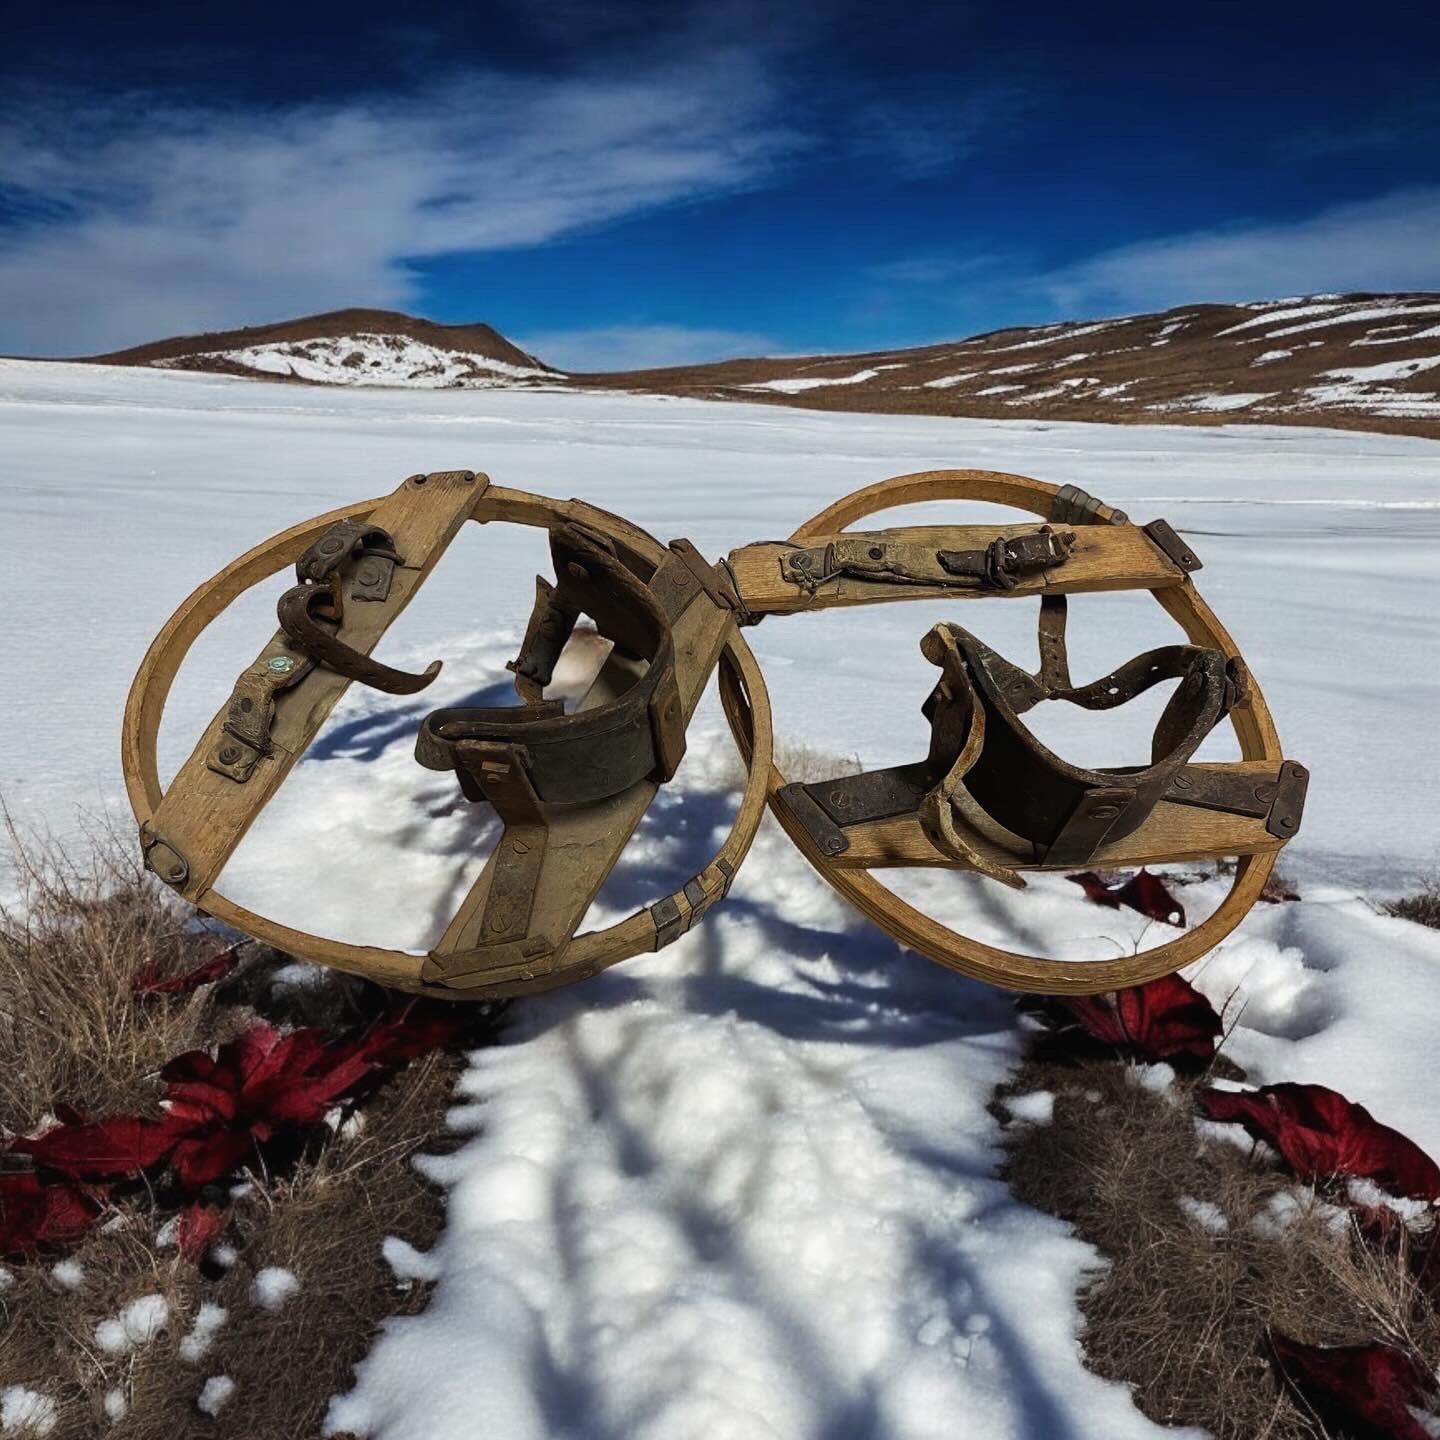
(197, 1229)
(1321, 1135)
(148, 984)
(217, 1109)
(34, 1213)
(1166, 1019)
(121, 1146)
(1363, 1391)
(1142, 891)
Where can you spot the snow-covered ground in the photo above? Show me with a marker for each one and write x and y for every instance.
(745, 1187)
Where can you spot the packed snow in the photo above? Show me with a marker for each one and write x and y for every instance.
(365, 359)
(138, 1323)
(801, 383)
(747, 1186)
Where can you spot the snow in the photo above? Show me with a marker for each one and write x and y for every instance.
(25, 1411)
(795, 386)
(273, 1286)
(946, 381)
(68, 1274)
(138, 1323)
(208, 1319)
(117, 1407)
(747, 1186)
(368, 359)
(1272, 355)
(1205, 1213)
(999, 389)
(1364, 387)
(1067, 332)
(1235, 400)
(214, 1394)
(1036, 1108)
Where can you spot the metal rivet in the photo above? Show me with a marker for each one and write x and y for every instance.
(1184, 782)
(1105, 812)
(229, 754)
(876, 552)
(281, 664)
(331, 545)
(177, 871)
(247, 705)
(1286, 823)
(834, 844)
(839, 799)
(368, 574)
(519, 847)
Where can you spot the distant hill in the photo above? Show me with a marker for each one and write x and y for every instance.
(1369, 361)
(348, 347)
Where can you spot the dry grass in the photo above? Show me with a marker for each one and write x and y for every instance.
(325, 1223)
(1423, 907)
(1180, 1312)
(71, 1031)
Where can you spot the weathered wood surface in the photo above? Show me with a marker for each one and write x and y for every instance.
(1105, 557)
(205, 815)
(585, 841)
(1252, 724)
(1170, 834)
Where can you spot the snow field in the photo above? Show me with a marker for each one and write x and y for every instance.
(745, 1187)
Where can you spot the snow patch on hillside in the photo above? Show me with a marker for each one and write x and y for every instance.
(367, 359)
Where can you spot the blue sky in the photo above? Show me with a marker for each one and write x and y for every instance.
(638, 183)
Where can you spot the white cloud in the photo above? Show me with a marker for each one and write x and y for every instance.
(1388, 243)
(642, 347)
(146, 221)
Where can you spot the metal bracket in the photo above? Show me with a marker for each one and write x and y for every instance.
(1174, 548)
(827, 836)
(1091, 820)
(163, 858)
(700, 893)
(1074, 506)
(1286, 813)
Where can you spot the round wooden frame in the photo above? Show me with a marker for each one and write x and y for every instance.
(742, 690)
(1252, 723)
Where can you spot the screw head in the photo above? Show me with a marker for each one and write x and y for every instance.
(331, 545)
(229, 754)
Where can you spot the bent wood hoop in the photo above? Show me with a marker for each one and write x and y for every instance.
(1110, 554)
(213, 813)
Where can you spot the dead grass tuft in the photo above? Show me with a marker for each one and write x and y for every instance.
(1180, 1310)
(1424, 907)
(71, 1031)
(90, 920)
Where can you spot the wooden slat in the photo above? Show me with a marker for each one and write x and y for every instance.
(204, 815)
(1170, 834)
(585, 841)
(1105, 557)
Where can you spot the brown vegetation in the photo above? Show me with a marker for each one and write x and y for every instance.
(1180, 1310)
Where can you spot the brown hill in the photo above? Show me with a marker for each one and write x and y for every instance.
(189, 351)
(1367, 361)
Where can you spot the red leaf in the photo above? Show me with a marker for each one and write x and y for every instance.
(206, 973)
(1320, 1134)
(1165, 1019)
(209, 1157)
(1363, 1391)
(120, 1146)
(1143, 892)
(197, 1228)
(34, 1213)
(409, 1031)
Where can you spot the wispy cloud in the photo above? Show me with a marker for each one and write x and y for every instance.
(643, 347)
(135, 219)
(1387, 243)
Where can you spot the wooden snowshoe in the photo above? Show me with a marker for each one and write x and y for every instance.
(570, 789)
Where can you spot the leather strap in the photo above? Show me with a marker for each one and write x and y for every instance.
(581, 758)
